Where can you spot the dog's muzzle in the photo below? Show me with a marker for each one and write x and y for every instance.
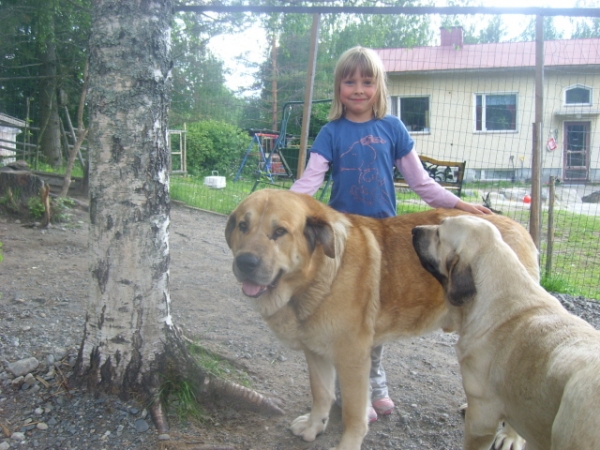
(248, 265)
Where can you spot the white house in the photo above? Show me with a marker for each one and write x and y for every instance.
(476, 103)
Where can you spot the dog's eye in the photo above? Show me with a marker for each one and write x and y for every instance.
(278, 233)
(243, 226)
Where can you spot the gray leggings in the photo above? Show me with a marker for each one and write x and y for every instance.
(377, 378)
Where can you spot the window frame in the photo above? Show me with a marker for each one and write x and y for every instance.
(484, 96)
(578, 86)
(396, 109)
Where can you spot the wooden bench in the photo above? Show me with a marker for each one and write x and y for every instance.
(449, 174)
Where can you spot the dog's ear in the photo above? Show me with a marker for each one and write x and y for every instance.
(229, 229)
(460, 287)
(319, 231)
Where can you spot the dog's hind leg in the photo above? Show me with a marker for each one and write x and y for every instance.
(322, 380)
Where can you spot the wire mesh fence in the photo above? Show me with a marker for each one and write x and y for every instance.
(471, 103)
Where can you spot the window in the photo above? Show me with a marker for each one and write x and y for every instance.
(578, 95)
(413, 111)
(495, 112)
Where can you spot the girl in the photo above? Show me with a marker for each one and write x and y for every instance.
(361, 143)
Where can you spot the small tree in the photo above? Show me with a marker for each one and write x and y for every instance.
(213, 145)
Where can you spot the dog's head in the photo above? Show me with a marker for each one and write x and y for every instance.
(277, 238)
(448, 250)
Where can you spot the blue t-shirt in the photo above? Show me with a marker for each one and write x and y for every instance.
(362, 157)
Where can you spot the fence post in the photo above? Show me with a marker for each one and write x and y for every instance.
(535, 211)
(308, 94)
(550, 246)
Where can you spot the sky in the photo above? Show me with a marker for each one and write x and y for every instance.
(252, 43)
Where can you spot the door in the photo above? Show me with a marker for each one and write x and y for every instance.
(576, 151)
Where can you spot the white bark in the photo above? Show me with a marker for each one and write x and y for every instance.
(128, 311)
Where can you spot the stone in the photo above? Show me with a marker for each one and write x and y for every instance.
(141, 426)
(594, 197)
(17, 436)
(23, 366)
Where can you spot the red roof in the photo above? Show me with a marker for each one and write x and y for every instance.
(490, 56)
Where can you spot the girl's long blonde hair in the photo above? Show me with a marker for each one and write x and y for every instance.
(368, 63)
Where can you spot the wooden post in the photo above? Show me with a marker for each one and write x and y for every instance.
(550, 246)
(274, 88)
(536, 164)
(308, 93)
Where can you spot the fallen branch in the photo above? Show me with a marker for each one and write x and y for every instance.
(45, 194)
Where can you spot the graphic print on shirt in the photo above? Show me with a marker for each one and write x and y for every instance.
(361, 157)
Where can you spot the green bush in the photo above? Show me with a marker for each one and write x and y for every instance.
(213, 145)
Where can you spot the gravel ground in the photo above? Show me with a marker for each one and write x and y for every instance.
(43, 291)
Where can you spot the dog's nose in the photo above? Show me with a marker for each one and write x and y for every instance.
(247, 262)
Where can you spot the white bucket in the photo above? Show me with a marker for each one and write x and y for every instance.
(215, 181)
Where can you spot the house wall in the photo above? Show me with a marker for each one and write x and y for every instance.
(497, 154)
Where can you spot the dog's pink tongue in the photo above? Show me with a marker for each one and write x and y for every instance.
(252, 289)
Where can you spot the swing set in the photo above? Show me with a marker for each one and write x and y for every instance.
(272, 163)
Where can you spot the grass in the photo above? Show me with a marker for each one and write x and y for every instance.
(218, 367)
(555, 283)
(576, 254)
(192, 192)
(181, 394)
(77, 170)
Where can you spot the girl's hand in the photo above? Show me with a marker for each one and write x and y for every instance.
(472, 208)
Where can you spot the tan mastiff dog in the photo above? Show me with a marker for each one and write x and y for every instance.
(524, 359)
(334, 285)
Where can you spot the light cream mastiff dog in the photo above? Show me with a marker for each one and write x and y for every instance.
(334, 285)
(524, 359)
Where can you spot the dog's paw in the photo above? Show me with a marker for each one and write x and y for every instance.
(508, 439)
(309, 427)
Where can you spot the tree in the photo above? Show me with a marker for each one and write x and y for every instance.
(44, 43)
(286, 81)
(128, 310)
(482, 30)
(79, 137)
(129, 337)
(586, 28)
(550, 31)
(199, 91)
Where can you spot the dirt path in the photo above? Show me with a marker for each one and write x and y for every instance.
(44, 273)
(207, 301)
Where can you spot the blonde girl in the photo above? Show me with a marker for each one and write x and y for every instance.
(362, 143)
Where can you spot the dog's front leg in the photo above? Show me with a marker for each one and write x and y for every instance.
(322, 381)
(508, 439)
(480, 427)
(353, 374)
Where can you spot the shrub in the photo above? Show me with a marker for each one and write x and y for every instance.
(213, 145)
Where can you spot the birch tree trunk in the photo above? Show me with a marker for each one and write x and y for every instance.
(129, 338)
(128, 314)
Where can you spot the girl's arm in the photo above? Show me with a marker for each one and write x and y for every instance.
(313, 176)
(429, 190)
